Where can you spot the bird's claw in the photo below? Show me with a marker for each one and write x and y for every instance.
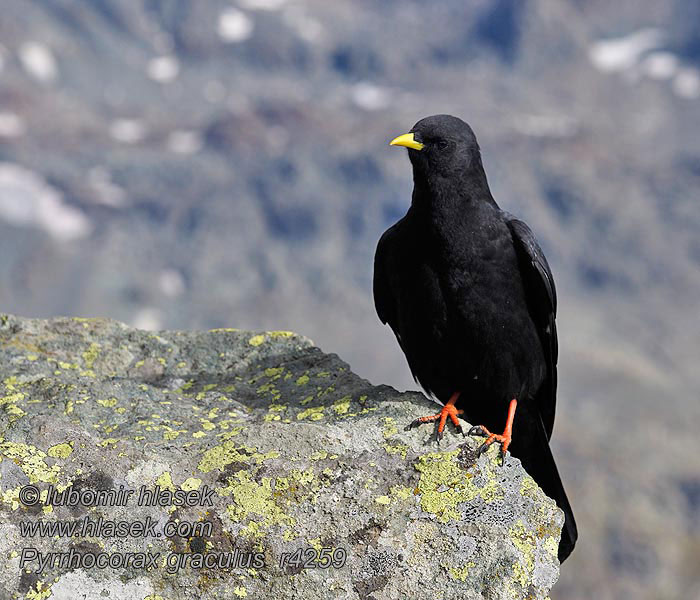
(478, 430)
(413, 424)
(493, 438)
(448, 411)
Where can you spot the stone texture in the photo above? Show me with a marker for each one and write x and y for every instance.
(300, 453)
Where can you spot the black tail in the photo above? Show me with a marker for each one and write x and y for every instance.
(536, 457)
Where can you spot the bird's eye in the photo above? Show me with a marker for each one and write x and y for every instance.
(442, 144)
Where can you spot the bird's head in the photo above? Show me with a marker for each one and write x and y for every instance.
(441, 145)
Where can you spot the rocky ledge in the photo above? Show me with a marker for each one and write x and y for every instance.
(225, 464)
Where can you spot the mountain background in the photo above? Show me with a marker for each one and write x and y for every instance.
(177, 164)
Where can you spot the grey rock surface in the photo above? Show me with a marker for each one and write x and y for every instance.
(290, 448)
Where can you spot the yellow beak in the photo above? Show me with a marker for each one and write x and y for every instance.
(407, 140)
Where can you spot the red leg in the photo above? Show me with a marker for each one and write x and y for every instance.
(504, 439)
(448, 410)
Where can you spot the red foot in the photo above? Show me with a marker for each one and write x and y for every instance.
(503, 439)
(448, 410)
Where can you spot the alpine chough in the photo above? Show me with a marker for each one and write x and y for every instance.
(470, 297)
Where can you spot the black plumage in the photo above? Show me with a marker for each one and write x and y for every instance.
(469, 294)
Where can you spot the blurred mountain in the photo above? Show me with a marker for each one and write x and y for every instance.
(206, 164)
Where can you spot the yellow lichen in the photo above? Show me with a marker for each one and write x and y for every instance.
(524, 541)
(315, 543)
(401, 492)
(280, 334)
(10, 497)
(289, 534)
(165, 481)
(443, 484)
(40, 592)
(91, 354)
(314, 413)
(31, 460)
(281, 484)
(256, 340)
(342, 406)
(60, 450)
(227, 452)
(171, 434)
(10, 401)
(389, 427)
(304, 477)
(250, 499)
(220, 456)
(109, 402)
(461, 573)
(191, 483)
(551, 545)
(396, 448)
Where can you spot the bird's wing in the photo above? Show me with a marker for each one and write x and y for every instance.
(385, 282)
(394, 258)
(384, 301)
(541, 297)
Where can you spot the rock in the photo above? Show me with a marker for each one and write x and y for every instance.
(280, 448)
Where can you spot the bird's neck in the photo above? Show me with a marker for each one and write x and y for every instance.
(443, 199)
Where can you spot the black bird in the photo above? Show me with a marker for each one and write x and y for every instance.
(470, 296)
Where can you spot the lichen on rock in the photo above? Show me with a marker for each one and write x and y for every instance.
(308, 468)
